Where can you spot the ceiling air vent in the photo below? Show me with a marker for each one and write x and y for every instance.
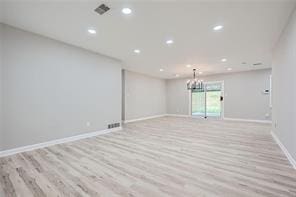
(102, 9)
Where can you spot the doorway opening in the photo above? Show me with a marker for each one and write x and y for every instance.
(208, 102)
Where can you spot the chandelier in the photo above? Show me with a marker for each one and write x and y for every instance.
(195, 84)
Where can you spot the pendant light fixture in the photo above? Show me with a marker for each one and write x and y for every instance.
(195, 84)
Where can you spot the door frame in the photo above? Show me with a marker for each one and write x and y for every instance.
(222, 103)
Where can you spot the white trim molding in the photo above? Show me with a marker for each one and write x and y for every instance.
(187, 116)
(248, 120)
(179, 115)
(144, 118)
(286, 152)
(57, 141)
(231, 119)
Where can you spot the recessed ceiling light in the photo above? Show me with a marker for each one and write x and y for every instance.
(224, 60)
(126, 11)
(161, 70)
(188, 65)
(92, 31)
(229, 69)
(137, 51)
(218, 27)
(177, 75)
(169, 42)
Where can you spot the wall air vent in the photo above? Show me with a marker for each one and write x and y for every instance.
(113, 125)
(257, 64)
(102, 9)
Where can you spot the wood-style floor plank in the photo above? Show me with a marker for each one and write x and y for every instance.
(164, 157)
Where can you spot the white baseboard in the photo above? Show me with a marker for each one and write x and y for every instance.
(54, 142)
(178, 115)
(286, 152)
(248, 120)
(144, 118)
(232, 119)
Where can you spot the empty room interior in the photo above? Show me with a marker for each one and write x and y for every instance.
(126, 98)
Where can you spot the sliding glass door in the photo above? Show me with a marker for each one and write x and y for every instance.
(198, 103)
(208, 102)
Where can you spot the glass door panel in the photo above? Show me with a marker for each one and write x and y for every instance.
(198, 103)
(213, 99)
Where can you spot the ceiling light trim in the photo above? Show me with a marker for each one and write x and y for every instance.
(92, 31)
(126, 11)
(218, 27)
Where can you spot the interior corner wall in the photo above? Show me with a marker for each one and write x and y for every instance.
(144, 96)
(53, 90)
(243, 95)
(284, 87)
(1, 111)
(123, 95)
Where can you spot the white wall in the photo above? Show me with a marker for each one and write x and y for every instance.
(284, 87)
(144, 96)
(51, 89)
(243, 97)
(1, 124)
(177, 97)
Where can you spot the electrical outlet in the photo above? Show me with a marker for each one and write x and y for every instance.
(88, 124)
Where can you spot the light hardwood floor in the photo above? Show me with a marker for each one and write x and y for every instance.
(166, 156)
